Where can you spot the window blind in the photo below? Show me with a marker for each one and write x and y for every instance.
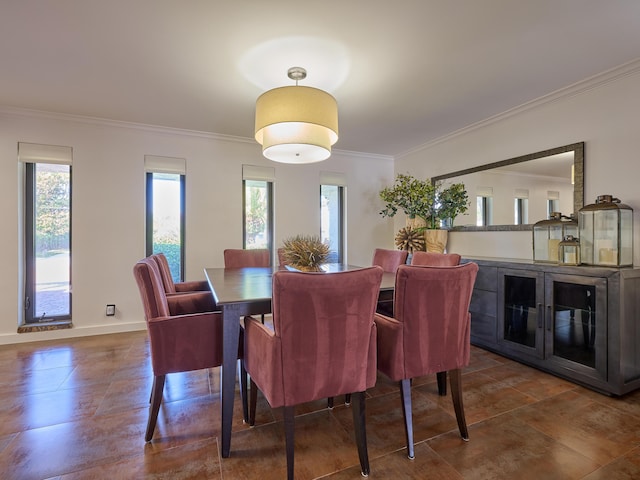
(37, 153)
(333, 178)
(254, 172)
(159, 164)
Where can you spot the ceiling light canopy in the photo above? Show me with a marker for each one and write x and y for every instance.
(296, 124)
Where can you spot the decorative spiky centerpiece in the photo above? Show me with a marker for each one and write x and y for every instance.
(305, 252)
(410, 239)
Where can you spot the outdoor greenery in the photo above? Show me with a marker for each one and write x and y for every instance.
(52, 216)
(256, 211)
(432, 202)
(172, 252)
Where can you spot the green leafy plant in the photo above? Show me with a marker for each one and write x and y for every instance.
(452, 201)
(430, 201)
(305, 252)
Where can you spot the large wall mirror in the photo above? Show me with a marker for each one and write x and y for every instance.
(514, 194)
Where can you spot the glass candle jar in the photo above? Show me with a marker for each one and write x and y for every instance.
(547, 235)
(569, 251)
(606, 233)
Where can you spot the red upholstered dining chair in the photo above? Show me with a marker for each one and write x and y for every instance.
(179, 343)
(176, 287)
(239, 258)
(389, 260)
(323, 344)
(282, 261)
(430, 332)
(434, 259)
(184, 297)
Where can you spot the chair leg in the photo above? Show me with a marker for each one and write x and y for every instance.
(441, 377)
(242, 374)
(455, 377)
(156, 400)
(347, 401)
(253, 399)
(289, 421)
(359, 423)
(405, 395)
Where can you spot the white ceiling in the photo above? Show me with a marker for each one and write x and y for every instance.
(404, 72)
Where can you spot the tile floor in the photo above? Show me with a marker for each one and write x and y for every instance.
(77, 409)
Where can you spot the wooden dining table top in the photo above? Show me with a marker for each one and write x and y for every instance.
(238, 285)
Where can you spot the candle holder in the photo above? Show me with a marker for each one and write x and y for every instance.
(569, 251)
(547, 235)
(606, 233)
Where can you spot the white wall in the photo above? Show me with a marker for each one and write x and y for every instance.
(602, 112)
(108, 209)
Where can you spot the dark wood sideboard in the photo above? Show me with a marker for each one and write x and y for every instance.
(580, 323)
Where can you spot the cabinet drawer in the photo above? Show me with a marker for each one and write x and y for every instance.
(487, 279)
(483, 330)
(484, 302)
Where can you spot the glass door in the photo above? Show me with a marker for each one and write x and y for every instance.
(520, 317)
(576, 323)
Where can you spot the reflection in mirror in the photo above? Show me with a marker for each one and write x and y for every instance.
(513, 194)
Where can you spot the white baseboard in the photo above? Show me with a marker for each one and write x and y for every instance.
(74, 332)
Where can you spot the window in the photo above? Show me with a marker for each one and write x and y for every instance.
(521, 206)
(521, 211)
(47, 225)
(165, 211)
(484, 206)
(257, 210)
(332, 221)
(553, 202)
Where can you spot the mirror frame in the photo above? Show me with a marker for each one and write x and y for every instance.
(578, 186)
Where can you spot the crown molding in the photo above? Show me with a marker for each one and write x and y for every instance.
(86, 120)
(590, 83)
(368, 156)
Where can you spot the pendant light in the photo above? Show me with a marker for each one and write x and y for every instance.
(296, 124)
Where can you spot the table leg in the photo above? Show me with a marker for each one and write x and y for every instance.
(230, 334)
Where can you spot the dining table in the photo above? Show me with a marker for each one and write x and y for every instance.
(247, 291)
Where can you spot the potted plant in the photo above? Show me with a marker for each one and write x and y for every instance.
(433, 202)
(305, 252)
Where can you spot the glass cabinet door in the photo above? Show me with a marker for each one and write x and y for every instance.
(520, 318)
(576, 322)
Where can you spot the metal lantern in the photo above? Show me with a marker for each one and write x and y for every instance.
(606, 233)
(569, 251)
(547, 235)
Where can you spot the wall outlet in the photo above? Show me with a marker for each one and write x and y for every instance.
(111, 310)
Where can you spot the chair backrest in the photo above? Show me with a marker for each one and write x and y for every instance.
(325, 326)
(434, 259)
(239, 258)
(178, 343)
(432, 304)
(152, 293)
(165, 272)
(389, 260)
(282, 261)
